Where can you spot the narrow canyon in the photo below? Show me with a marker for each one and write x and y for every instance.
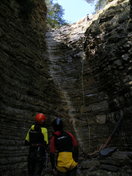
(81, 72)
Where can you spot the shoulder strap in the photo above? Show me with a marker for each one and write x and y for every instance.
(37, 127)
(74, 141)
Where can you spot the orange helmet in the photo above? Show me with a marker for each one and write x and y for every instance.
(40, 117)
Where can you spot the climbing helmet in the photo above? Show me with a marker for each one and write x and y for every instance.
(40, 118)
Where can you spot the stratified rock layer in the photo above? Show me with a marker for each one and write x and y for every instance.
(80, 72)
(108, 48)
(26, 86)
(97, 82)
(117, 163)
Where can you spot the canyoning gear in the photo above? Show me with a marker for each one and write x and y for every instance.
(65, 162)
(57, 124)
(107, 151)
(68, 173)
(64, 143)
(36, 160)
(37, 135)
(37, 138)
(40, 118)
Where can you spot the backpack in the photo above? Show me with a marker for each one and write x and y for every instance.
(63, 142)
(36, 136)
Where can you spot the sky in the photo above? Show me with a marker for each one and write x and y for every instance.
(74, 10)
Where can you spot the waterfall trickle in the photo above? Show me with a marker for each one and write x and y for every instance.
(67, 59)
(82, 72)
(58, 73)
(66, 56)
(63, 70)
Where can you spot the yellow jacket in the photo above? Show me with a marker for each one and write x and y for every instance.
(43, 131)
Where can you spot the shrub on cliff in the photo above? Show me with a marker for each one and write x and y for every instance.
(99, 3)
(54, 14)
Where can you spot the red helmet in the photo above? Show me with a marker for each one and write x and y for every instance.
(40, 117)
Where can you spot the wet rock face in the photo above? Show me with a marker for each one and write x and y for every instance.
(90, 89)
(117, 163)
(26, 86)
(108, 48)
(96, 87)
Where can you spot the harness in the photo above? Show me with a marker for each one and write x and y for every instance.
(63, 142)
(36, 136)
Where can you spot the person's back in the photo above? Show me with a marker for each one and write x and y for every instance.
(65, 144)
(63, 141)
(37, 138)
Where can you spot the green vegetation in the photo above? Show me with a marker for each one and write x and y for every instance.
(54, 14)
(99, 4)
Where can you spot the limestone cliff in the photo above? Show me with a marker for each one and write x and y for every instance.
(108, 48)
(93, 72)
(26, 85)
(80, 72)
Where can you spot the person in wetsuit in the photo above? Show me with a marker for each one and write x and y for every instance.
(37, 139)
(63, 151)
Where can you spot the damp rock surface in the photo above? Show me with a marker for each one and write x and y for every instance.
(80, 72)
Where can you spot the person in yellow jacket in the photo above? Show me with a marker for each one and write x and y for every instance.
(37, 139)
(65, 145)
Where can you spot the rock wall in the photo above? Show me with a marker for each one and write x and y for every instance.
(114, 164)
(85, 79)
(107, 76)
(94, 73)
(65, 46)
(26, 86)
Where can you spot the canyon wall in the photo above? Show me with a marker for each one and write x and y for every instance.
(108, 49)
(26, 86)
(94, 73)
(80, 72)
